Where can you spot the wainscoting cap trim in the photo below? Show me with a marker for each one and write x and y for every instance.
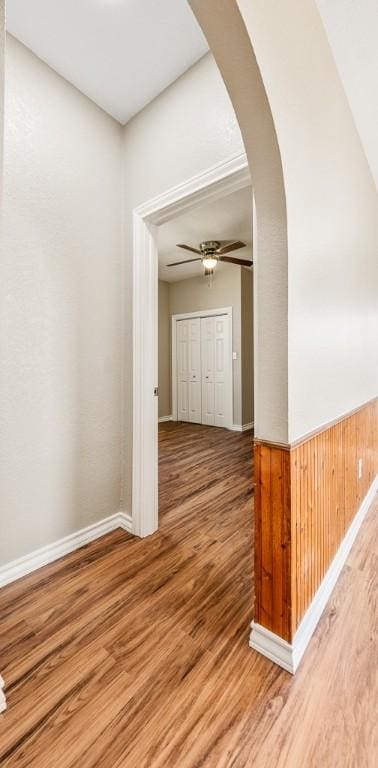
(271, 444)
(51, 552)
(288, 655)
(328, 425)
(317, 431)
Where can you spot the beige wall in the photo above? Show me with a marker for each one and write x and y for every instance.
(65, 357)
(60, 376)
(332, 214)
(241, 72)
(229, 289)
(2, 41)
(316, 275)
(61, 271)
(246, 278)
(2, 58)
(164, 375)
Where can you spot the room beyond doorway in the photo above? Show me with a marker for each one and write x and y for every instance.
(214, 184)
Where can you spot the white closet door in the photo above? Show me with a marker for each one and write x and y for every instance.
(189, 370)
(182, 371)
(207, 356)
(216, 371)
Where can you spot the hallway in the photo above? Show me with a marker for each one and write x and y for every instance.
(147, 641)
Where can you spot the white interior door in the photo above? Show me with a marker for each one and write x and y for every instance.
(216, 371)
(189, 370)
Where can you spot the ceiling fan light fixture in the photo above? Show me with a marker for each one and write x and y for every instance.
(211, 251)
(209, 262)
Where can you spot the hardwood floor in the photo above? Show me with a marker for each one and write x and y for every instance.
(134, 653)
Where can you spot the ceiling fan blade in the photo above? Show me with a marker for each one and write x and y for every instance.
(232, 260)
(188, 248)
(187, 261)
(230, 246)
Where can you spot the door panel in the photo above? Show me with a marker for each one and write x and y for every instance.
(207, 360)
(219, 406)
(183, 412)
(216, 371)
(194, 366)
(223, 372)
(219, 355)
(208, 403)
(182, 371)
(189, 370)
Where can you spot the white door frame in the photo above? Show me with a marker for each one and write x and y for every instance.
(218, 181)
(187, 316)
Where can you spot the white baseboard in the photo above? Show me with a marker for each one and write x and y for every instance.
(289, 655)
(234, 427)
(3, 703)
(125, 522)
(272, 646)
(242, 427)
(24, 565)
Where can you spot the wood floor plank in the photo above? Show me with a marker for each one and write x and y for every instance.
(134, 653)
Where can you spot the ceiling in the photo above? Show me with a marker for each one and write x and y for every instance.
(120, 53)
(229, 218)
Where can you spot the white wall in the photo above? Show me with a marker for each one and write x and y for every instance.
(332, 215)
(60, 304)
(168, 142)
(352, 29)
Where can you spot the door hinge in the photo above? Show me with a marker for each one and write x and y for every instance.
(156, 391)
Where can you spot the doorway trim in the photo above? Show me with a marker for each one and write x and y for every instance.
(187, 316)
(216, 182)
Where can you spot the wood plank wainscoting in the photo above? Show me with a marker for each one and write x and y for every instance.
(306, 497)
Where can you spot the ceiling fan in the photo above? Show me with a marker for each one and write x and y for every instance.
(212, 251)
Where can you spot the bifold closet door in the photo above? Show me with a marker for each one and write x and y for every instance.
(216, 371)
(189, 370)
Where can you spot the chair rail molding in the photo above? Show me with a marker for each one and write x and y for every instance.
(214, 183)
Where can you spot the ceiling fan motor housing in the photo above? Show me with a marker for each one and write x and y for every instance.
(209, 246)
